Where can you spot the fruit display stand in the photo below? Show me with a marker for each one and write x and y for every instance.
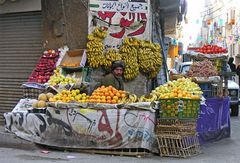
(179, 105)
(102, 128)
(214, 120)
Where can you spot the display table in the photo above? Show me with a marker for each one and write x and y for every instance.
(86, 128)
(109, 128)
(214, 121)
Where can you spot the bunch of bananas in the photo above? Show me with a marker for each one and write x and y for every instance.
(148, 98)
(149, 58)
(129, 54)
(110, 56)
(129, 98)
(95, 48)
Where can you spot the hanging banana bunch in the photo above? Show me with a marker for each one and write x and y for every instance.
(110, 56)
(95, 48)
(149, 58)
(129, 51)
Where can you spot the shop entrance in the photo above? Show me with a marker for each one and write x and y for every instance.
(20, 48)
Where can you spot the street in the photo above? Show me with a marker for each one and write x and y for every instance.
(224, 151)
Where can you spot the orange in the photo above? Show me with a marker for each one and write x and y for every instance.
(103, 101)
(118, 94)
(102, 86)
(106, 93)
(98, 101)
(114, 101)
(115, 98)
(114, 91)
(110, 87)
(109, 98)
(123, 95)
(109, 101)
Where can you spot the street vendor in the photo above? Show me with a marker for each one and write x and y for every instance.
(115, 78)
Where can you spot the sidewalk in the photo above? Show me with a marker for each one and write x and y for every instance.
(10, 140)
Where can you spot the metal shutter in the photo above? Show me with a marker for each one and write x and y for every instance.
(20, 49)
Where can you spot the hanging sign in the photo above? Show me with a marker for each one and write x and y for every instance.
(121, 18)
(119, 6)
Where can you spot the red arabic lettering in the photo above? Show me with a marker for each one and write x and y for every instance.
(141, 30)
(105, 15)
(125, 22)
(117, 138)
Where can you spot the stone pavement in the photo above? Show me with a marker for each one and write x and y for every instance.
(10, 140)
(223, 151)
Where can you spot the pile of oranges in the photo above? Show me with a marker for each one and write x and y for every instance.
(108, 95)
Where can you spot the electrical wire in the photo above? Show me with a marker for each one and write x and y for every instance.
(65, 24)
(216, 9)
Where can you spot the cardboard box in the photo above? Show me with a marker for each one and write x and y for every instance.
(77, 56)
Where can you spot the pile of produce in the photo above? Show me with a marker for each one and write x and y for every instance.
(211, 49)
(107, 95)
(44, 68)
(71, 64)
(202, 69)
(58, 79)
(149, 58)
(129, 53)
(95, 48)
(111, 95)
(136, 54)
(181, 88)
(110, 56)
(70, 96)
(42, 99)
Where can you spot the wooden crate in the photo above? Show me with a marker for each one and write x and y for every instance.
(133, 152)
(175, 126)
(76, 56)
(178, 145)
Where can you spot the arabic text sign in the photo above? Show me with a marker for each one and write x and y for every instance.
(116, 6)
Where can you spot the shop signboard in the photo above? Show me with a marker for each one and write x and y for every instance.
(122, 18)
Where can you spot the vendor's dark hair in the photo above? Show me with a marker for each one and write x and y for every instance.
(116, 64)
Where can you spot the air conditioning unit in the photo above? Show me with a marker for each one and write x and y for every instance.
(231, 17)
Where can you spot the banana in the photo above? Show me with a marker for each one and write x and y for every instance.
(149, 57)
(95, 48)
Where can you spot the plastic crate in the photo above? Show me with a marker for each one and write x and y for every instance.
(32, 93)
(179, 108)
(79, 72)
(207, 89)
(178, 146)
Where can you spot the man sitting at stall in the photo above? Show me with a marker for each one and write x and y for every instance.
(115, 78)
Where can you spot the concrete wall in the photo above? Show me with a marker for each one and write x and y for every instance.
(65, 23)
(20, 6)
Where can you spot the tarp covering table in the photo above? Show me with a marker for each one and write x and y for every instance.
(86, 128)
(214, 120)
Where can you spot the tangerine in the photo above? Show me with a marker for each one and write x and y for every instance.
(115, 98)
(118, 94)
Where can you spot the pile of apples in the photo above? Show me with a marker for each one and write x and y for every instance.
(45, 67)
(211, 49)
(181, 88)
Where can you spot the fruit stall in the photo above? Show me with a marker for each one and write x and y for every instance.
(209, 70)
